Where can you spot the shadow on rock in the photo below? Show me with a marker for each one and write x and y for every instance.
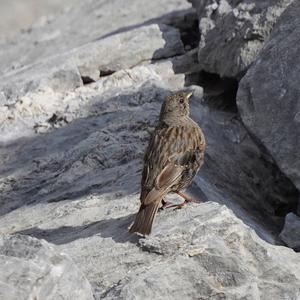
(168, 19)
(91, 155)
(115, 228)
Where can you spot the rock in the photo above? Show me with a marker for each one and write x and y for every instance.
(62, 33)
(89, 73)
(27, 13)
(33, 269)
(107, 124)
(200, 251)
(77, 187)
(291, 231)
(233, 32)
(71, 158)
(120, 51)
(215, 257)
(65, 72)
(272, 86)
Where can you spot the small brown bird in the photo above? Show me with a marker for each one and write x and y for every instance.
(174, 155)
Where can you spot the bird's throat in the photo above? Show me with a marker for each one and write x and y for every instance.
(172, 119)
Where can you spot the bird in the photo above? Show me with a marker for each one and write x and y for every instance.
(174, 155)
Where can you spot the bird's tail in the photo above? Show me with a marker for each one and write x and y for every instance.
(144, 218)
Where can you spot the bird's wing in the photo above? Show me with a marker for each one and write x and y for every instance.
(165, 180)
(161, 145)
(170, 151)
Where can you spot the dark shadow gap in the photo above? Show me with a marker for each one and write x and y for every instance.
(283, 186)
(102, 73)
(107, 72)
(189, 31)
(87, 80)
(219, 93)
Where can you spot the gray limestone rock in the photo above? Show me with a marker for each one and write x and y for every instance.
(63, 72)
(269, 95)
(202, 251)
(77, 186)
(233, 32)
(80, 24)
(290, 233)
(23, 14)
(215, 257)
(33, 269)
(76, 113)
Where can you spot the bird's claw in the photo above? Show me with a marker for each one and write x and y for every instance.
(177, 206)
(165, 205)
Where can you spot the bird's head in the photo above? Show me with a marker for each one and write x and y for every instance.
(176, 104)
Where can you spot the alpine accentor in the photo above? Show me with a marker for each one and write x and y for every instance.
(175, 154)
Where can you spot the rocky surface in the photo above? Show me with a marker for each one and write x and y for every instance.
(87, 63)
(23, 14)
(216, 257)
(87, 22)
(76, 113)
(291, 231)
(272, 85)
(33, 269)
(233, 32)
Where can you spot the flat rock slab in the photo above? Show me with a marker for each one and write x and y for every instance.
(85, 22)
(64, 71)
(201, 251)
(216, 257)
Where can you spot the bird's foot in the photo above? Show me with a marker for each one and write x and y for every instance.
(188, 199)
(181, 205)
(178, 206)
(165, 205)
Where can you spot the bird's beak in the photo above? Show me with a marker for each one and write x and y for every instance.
(189, 95)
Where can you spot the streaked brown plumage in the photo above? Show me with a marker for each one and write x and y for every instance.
(174, 155)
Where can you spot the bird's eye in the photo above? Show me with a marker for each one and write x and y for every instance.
(181, 101)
